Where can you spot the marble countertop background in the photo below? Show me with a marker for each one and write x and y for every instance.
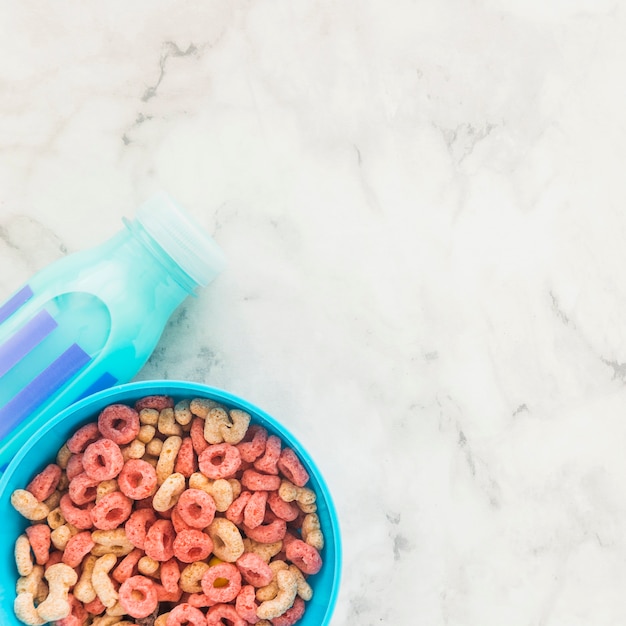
(423, 207)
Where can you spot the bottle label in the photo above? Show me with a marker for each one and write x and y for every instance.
(15, 302)
(50, 347)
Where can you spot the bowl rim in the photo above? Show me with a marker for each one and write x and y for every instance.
(151, 387)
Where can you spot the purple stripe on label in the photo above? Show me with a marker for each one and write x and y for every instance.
(24, 340)
(15, 302)
(104, 382)
(42, 387)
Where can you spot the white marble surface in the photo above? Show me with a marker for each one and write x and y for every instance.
(422, 204)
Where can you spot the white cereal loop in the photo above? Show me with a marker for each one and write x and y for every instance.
(23, 556)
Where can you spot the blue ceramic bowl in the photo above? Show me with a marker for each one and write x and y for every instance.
(42, 446)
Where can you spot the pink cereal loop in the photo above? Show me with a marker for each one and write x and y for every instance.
(255, 481)
(138, 525)
(111, 511)
(245, 604)
(292, 615)
(220, 460)
(83, 437)
(138, 596)
(103, 460)
(186, 461)
(200, 444)
(74, 465)
(39, 539)
(254, 513)
(119, 422)
(157, 402)
(288, 511)
(192, 545)
(170, 575)
(126, 566)
(77, 548)
(44, 484)
(178, 522)
(292, 469)
(83, 489)
(159, 543)
(138, 479)
(221, 612)
(168, 596)
(79, 517)
(269, 532)
(267, 463)
(234, 512)
(200, 600)
(227, 592)
(305, 557)
(253, 444)
(254, 569)
(196, 508)
(185, 614)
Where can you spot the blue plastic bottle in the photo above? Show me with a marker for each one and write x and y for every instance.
(93, 318)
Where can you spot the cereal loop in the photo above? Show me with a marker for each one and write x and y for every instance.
(79, 517)
(103, 460)
(200, 444)
(305, 557)
(170, 575)
(83, 489)
(112, 510)
(127, 566)
(225, 592)
(83, 437)
(292, 469)
(77, 548)
(138, 525)
(196, 508)
(60, 579)
(74, 466)
(255, 481)
(186, 462)
(187, 615)
(178, 522)
(156, 402)
(292, 615)
(245, 604)
(159, 543)
(191, 577)
(254, 512)
(192, 545)
(138, 479)
(273, 530)
(253, 444)
(220, 612)
(138, 596)
(235, 511)
(268, 462)
(254, 569)
(23, 558)
(44, 484)
(39, 539)
(219, 461)
(25, 503)
(285, 510)
(119, 423)
(227, 540)
(168, 493)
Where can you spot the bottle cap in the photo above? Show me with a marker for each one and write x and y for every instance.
(183, 239)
